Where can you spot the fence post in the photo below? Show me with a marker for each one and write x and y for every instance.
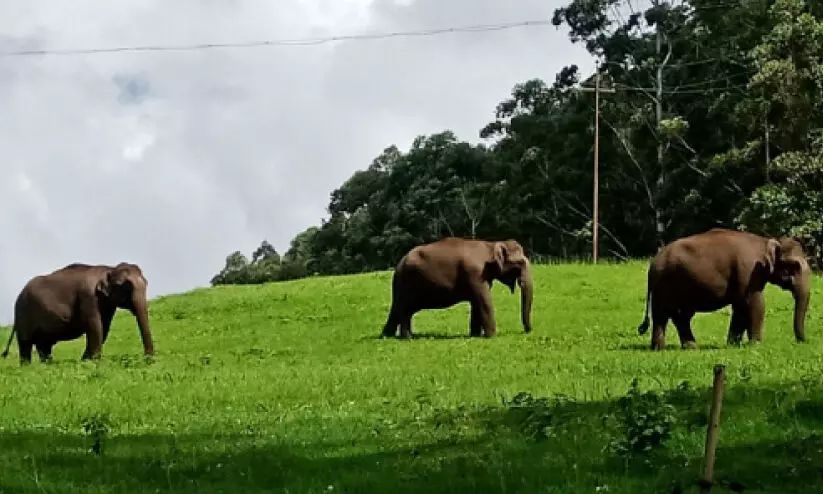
(711, 429)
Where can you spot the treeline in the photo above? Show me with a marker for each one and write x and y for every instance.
(716, 121)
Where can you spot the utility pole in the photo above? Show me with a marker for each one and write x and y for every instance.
(662, 176)
(596, 200)
(766, 129)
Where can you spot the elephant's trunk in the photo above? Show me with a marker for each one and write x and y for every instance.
(141, 312)
(800, 291)
(526, 295)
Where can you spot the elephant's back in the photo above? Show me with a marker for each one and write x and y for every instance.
(46, 297)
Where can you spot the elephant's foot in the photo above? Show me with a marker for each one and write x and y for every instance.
(388, 332)
(734, 339)
(490, 334)
(689, 345)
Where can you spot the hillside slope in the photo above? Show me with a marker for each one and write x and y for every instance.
(286, 387)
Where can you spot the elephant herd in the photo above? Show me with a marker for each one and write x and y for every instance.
(699, 273)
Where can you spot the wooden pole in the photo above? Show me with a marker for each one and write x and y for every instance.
(711, 430)
(596, 196)
(596, 161)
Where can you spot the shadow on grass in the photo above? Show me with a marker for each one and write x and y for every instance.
(515, 448)
(646, 346)
(441, 336)
(419, 336)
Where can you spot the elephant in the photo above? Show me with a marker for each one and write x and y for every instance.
(443, 273)
(75, 300)
(713, 269)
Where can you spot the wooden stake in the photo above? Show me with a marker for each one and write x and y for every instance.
(711, 430)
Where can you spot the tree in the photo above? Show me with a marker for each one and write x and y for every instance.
(786, 91)
(234, 272)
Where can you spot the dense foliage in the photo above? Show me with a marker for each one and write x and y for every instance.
(715, 120)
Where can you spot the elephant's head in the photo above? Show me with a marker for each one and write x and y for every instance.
(124, 286)
(512, 266)
(789, 270)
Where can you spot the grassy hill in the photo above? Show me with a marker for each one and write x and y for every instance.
(286, 388)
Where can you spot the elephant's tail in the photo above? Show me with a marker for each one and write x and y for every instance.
(644, 326)
(8, 345)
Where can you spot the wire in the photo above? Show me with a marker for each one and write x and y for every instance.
(279, 42)
(621, 87)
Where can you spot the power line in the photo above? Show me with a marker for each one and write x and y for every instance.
(281, 42)
(622, 87)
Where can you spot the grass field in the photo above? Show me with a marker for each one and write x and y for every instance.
(286, 388)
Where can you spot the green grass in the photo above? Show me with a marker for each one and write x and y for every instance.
(286, 388)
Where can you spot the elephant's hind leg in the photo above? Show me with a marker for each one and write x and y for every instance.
(659, 321)
(24, 347)
(475, 321)
(683, 322)
(44, 351)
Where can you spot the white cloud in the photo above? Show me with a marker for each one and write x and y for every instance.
(174, 159)
(23, 182)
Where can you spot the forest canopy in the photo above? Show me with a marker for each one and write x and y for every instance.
(716, 120)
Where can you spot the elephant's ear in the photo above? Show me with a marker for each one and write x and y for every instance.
(501, 254)
(772, 254)
(103, 286)
(515, 254)
(800, 241)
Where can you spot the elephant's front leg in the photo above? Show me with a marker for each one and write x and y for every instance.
(756, 313)
(94, 331)
(406, 327)
(483, 301)
(739, 323)
(106, 315)
(94, 343)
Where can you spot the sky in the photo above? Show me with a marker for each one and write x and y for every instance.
(174, 159)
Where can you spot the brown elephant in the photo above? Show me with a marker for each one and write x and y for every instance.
(452, 270)
(720, 267)
(76, 300)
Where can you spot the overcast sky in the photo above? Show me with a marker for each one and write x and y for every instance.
(174, 159)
